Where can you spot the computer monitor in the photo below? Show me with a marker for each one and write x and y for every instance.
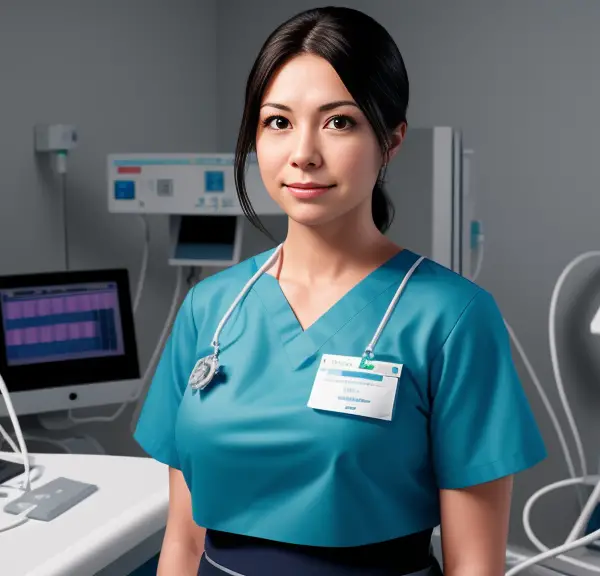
(67, 340)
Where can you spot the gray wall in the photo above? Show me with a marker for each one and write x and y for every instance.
(520, 78)
(133, 76)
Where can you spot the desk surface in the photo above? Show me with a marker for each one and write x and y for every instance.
(130, 506)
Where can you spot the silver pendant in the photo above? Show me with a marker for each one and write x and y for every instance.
(203, 372)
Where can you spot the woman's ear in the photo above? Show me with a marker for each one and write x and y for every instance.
(397, 138)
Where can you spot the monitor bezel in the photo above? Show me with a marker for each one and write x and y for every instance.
(63, 373)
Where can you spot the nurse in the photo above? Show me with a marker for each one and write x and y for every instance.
(324, 405)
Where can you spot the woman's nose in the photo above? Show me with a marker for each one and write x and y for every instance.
(306, 152)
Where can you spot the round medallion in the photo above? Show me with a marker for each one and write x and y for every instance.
(203, 372)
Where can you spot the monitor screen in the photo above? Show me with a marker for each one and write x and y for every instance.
(61, 322)
(66, 328)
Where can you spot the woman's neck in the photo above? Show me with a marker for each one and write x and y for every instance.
(313, 255)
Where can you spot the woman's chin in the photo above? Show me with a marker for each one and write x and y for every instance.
(310, 215)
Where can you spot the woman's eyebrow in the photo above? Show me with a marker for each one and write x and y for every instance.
(324, 108)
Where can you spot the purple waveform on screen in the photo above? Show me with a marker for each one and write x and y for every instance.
(45, 328)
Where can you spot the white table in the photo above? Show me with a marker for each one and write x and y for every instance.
(113, 531)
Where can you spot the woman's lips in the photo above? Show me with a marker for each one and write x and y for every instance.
(307, 191)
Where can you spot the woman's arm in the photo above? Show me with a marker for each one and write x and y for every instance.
(183, 543)
(474, 528)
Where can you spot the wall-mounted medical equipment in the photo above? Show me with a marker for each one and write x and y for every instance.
(55, 137)
(197, 192)
(67, 340)
(56, 141)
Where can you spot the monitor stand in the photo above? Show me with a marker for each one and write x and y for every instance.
(47, 430)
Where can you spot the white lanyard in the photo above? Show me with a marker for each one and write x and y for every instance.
(206, 368)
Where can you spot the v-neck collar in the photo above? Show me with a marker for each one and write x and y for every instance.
(300, 344)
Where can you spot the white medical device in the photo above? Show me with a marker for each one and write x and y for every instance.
(55, 137)
(197, 192)
(428, 182)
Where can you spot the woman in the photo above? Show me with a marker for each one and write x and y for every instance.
(365, 395)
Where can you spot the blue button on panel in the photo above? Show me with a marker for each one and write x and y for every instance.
(214, 181)
(124, 189)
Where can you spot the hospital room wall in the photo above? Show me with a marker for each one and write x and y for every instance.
(134, 76)
(519, 78)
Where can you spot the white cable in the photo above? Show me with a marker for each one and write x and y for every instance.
(553, 417)
(546, 552)
(583, 518)
(554, 354)
(557, 552)
(260, 271)
(371, 346)
(36, 473)
(139, 390)
(20, 519)
(588, 509)
(528, 366)
(593, 500)
(10, 441)
(17, 429)
(144, 267)
(136, 302)
(586, 514)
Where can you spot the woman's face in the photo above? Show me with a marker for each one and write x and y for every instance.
(317, 153)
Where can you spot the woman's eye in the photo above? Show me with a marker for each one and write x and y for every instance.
(341, 123)
(277, 123)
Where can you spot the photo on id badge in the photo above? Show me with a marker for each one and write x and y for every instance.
(349, 385)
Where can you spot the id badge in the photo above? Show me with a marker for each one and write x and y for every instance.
(349, 385)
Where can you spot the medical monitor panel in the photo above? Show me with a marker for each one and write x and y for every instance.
(66, 328)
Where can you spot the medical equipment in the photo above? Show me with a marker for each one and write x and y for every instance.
(55, 137)
(46, 501)
(21, 451)
(591, 563)
(588, 561)
(67, 340)
(197, 192)
(57, 140)
(51, 499)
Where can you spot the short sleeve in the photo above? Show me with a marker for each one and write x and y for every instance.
(155, 429)
(482, 426)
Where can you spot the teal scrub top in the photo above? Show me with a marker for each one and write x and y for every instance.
(259, 462)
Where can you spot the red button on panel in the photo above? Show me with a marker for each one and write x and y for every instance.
(130, 170)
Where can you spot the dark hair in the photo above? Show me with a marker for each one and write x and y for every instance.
(369, 64)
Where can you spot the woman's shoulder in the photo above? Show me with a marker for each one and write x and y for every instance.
(447, 296)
